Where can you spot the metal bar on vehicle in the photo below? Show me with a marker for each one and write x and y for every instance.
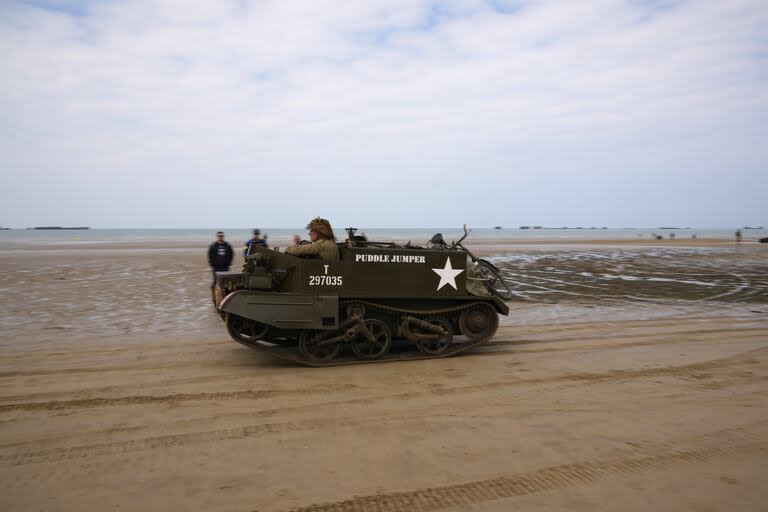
(281, 303)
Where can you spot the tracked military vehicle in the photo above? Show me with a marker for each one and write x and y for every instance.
(379, 301)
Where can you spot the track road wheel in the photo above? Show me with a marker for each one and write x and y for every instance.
(438, 345)
(244, 330)
(479, 322)
(311, 350)
(365, 348)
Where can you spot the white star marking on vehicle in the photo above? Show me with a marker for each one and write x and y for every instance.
(447, 274)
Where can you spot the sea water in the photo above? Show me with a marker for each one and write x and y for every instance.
(418, 236)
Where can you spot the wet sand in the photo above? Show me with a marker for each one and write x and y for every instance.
(121, 390)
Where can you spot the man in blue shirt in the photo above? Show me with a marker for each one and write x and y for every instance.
(256, 240)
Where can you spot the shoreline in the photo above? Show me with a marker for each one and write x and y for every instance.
(479, 243)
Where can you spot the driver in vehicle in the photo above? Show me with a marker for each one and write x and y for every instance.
(322, 243)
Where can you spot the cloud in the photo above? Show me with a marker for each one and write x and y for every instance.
(382, 112)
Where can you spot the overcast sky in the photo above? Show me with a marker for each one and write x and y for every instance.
(384, 113)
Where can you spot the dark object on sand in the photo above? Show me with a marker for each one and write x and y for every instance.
(764, 240)
(59, 227)
(350, 310)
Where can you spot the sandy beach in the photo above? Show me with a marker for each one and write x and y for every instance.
(628, 376)
(606, 160)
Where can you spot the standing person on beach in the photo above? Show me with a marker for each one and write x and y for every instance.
(220, 255)
(256, 240)
(738, 235)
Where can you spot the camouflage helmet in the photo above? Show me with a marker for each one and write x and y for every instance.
(322, 227)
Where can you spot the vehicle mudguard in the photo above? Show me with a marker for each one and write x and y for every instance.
(500, 306)
(284, 310)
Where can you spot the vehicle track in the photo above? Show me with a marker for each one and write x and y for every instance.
(490, 348)
(643, 340)
(618, 376)
(109, 369)
(594, 331)
(247, 394)
(177, 440)
(555, 477)
(613, 376)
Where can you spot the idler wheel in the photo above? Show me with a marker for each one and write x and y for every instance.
(439, 344)
(244, 330)
(311, 349)
(479, 322)
(365, 348)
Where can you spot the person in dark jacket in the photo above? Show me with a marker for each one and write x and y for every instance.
(256, 240)
(220, 255)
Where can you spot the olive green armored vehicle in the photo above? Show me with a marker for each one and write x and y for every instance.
(378, 301)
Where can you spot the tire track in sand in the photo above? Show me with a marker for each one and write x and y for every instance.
(247, 394)
(47, 455)
(179, 440)
(80, 403)
(492, 343)
(555, 477)
(613, 377)
(656, 338)
(493, 347)
(125, 368)
(628, 327)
